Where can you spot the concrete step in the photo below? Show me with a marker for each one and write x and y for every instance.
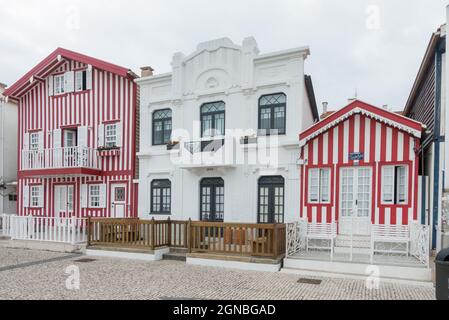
(355, 250)
(178, 250)
(174, 256)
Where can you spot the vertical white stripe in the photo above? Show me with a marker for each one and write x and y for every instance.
(356, 133)
(389, 145)
(335, 146)
(400, 146)
(325, 148)
(323, 215)
(315, 151)
(314, 215)
(306, 153)
(387, 216)
(346, 142)
(378, 139)
(367, 139)
(412, 146)
(399, 221)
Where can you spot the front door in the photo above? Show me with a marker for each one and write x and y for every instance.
(118, 200)
(63, 202)
(355, 200)
(69, 150)
(212, 199)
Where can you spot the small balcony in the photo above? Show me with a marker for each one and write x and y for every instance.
(68, 160)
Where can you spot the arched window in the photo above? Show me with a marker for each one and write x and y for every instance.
(213, 119)
(272, 111)
(161, 197)
(162, 125)
(271, 199)
(212, 199)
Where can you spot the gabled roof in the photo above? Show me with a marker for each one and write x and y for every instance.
(359, 107)
(57, 57)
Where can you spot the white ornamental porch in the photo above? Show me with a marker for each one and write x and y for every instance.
(399, 251)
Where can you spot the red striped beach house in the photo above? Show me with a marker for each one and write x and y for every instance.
(77, 138)
(361, 158)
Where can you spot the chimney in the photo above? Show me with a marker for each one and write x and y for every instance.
(325, 104)
(351, 100)
(385, 106)
(146, 72)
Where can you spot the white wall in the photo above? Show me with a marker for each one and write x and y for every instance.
(8, 152)
(221, 71)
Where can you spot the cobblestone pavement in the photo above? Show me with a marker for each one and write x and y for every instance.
(28, 274)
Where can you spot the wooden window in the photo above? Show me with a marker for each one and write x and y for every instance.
(272, 114)
(94, 196)
(110, 135)
(80, 80)
(319, 185)
(35, 196)
(34, 141)
(59, 84)
(271, 199)
(395, 185)
(213, 119)
(160, 197)
(162, 127)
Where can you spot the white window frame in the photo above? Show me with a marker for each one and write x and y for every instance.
(35, 194)
(34, 141)
(59, 84)
(110, 140)
(94, 198)
(79, 75)
(395, 191)
(319, 178)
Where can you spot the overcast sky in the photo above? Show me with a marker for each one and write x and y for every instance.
(373, 46)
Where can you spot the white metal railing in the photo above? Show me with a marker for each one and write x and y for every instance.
(67, 157)
(420, 242)
(5, 224)
(296, 237)
(65, 230)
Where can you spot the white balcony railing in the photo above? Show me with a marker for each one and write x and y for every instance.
(68, 157)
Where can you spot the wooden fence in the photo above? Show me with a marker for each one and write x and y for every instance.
(255, 240)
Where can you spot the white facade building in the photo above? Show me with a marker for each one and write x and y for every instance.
(8, 155)
(231, 118)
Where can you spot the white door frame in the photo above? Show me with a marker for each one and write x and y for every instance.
(69, 188)
(117, 205)
(355, 225)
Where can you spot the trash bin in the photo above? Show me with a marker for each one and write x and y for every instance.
(442, 275)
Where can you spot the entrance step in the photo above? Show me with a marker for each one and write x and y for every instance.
(175, 256)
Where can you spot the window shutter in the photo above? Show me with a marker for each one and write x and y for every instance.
(89, 79)
(100, 135)
(26, 141)
(82, 136)
(84, 196)
(57, 138)
(102, 195)
(50, 86)
(41, 197)
(69, 81)
(26, 196)
(118, 130)
(41, 140)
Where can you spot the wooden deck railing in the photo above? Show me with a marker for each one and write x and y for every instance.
(253, 240)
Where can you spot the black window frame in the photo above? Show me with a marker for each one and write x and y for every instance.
(163, 122)
(213, 114)
(166, 184)
(214, 183)
(272, 107)
(270, 182)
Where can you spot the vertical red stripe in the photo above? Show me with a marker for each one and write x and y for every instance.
(362, 136)
(320, 149)
(394, 145)
(351, 137)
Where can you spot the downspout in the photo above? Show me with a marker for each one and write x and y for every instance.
(437, 139)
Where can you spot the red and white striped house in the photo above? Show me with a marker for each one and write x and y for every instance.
(360, 158)
(77, 138)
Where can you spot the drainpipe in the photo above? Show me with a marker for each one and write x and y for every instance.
(437, 140)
